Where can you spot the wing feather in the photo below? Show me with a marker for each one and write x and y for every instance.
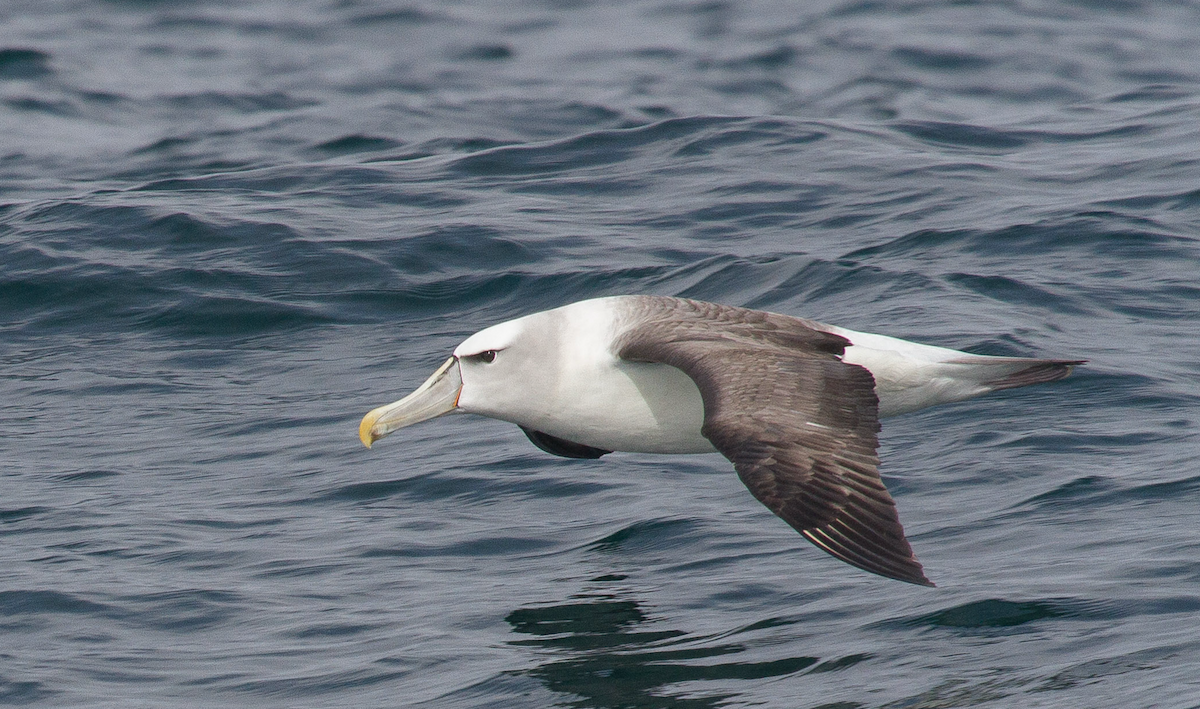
(800, 426)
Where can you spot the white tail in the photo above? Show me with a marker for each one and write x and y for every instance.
(911, 376)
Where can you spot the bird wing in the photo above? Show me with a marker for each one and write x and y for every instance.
(799, 424)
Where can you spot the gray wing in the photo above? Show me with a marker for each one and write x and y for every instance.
(799, 424)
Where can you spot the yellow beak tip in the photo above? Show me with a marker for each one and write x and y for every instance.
(438, 395)
(364, 430)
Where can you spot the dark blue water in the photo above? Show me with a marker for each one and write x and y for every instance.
(228, 229)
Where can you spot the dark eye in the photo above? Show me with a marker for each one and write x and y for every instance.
(488, 356)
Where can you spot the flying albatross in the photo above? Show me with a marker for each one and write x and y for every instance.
(793, 403)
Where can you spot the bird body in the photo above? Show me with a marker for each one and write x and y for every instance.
(793, 403)
(573, 385)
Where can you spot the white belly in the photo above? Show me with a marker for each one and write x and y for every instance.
(631, 406)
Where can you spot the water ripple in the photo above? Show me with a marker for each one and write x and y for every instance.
(227, 231)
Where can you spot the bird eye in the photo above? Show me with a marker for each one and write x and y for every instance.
(488, 356)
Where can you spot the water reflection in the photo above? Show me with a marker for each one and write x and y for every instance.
(607, 655)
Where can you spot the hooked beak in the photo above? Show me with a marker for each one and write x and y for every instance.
(437, 396)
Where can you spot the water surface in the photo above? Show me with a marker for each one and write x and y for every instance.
(227, 230)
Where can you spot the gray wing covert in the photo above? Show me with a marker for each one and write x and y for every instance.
(799, 425)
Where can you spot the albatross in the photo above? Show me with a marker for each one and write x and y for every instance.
(794, 404)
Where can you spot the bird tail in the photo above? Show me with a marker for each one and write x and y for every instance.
(1013, 372)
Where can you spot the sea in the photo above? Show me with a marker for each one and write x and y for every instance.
(229, 228)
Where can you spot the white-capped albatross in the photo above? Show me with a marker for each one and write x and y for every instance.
(795, 404)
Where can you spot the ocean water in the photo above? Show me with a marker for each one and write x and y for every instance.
(229, 229)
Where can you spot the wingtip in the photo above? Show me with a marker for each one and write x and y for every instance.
(916, 576)
(897, 563)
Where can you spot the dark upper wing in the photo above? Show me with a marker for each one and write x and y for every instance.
(799, 424)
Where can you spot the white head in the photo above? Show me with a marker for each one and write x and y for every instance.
(555, 372)
(508, 371)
